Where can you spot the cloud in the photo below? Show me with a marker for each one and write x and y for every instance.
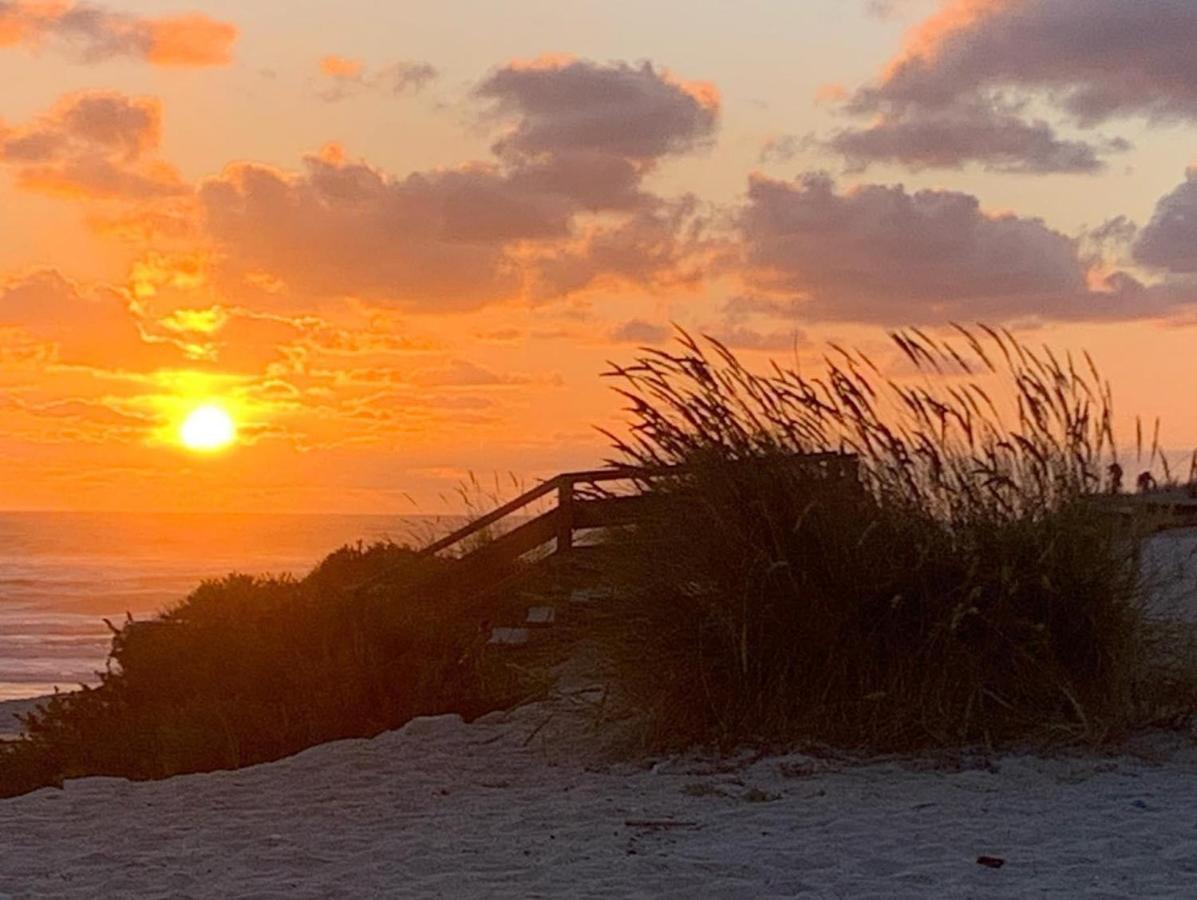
(563, 105)
(732, 332)
(94, 145)
(343, 228)
(881, 9)
(561, 207)
(966, 73)
(638, 331)
(659, 247)
(546, 216)
(973, 132)
(92, 33)
(75, 326)
(152, 323)
(1099, 59)
(460, 373)
(783, 148)
(341, 67)
(348, 77)
(1169, 240)
(744, 337)
(879, 253)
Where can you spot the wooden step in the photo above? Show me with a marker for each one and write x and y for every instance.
(588, 596)
(509, 637)
(541, 616)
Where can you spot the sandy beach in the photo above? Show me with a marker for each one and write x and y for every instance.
(520, 805)
(531, 804)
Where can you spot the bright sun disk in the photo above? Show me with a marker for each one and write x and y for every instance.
(207, 429)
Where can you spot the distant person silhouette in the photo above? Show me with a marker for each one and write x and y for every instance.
(1115, 472)
(1146, 482)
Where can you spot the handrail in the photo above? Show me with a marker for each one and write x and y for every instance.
(564, 484)
(491, 517)
(569, 515)
(566, 479)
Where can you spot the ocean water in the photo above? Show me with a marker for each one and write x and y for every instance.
(62, 574)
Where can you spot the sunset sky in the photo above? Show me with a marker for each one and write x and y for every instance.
(398, 242)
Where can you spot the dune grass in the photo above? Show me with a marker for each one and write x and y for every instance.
(962, 586)
(247, 670)
(939, 578)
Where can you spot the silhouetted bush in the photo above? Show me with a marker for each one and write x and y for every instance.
(248, 670)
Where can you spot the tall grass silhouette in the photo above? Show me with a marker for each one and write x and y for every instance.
(848, 559)
(962, 586)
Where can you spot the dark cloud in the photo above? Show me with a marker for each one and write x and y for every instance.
(591, 181)
(965, 72)
(1115, 232)
(92, 33)
(659, 247)
(949, 137)
(93, 144)
(1097, 59)
(560, 208)
(880, 253)
(1169, 241)
(349, 77)
(632, 112)
(344, 228)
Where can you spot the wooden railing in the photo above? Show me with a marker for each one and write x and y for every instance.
(487, 564)
(574, 512)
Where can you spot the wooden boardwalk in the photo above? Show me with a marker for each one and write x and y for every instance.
(493, 551)
(1162, 510)
(581, 505)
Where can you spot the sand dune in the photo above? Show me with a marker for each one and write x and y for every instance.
(500, 808)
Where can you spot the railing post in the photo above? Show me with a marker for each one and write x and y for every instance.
(565, 515)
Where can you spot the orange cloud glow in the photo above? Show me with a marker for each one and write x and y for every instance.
(93, 34)
(925, 40)
(93, 145)
(192, 41)
(340, 67)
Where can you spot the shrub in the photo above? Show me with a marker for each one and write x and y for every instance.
(248, 670)
(960, 586)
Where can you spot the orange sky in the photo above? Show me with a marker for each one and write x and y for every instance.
(398, 249)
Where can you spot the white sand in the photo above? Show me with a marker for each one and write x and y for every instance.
(445, 809)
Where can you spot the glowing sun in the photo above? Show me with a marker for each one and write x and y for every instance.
(207, 429)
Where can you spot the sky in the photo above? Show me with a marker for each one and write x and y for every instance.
(399, 243)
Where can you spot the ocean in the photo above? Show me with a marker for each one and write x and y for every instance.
(62, 574)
